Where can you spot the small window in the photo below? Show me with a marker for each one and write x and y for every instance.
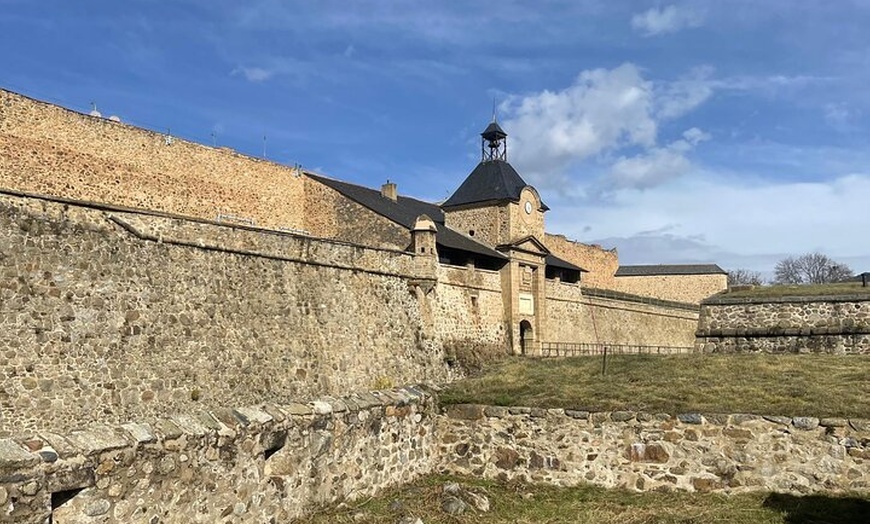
(471, 232)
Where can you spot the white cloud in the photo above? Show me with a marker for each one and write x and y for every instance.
(656, 165)
(605, 113)
(602, 110)
(663, 20)
(253, 74)
(735, 223)
(675, 99)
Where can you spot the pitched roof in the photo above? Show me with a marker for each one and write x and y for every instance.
(491, 180)
(404, 211)
(553, 260)
(669, 269)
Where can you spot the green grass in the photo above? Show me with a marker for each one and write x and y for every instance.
(845, 288)
(787, 385)
(525, 504)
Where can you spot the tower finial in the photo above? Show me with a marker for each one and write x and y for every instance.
(494, 114)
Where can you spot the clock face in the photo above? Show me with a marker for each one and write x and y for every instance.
(528, 207)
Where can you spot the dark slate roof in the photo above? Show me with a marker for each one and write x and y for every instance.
(491, 180)
(493, 131)
(404, 211)
(553, 260)
(669, 269)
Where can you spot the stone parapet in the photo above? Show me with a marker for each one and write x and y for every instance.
(656, 451)
(825, 324)
(263, 463)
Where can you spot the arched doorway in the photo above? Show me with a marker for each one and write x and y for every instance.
(527, 337)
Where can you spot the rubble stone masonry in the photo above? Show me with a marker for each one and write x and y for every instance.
(271, 462)
(643, 451)
(54, 151)
(108, 316)
(822, 324)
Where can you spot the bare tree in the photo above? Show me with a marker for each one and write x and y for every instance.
(810, 268)
(744, 277)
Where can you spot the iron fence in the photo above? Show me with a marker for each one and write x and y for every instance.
(572, 349)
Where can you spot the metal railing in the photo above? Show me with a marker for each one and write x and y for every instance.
(576, 349)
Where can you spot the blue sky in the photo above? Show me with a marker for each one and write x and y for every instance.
(725, 131)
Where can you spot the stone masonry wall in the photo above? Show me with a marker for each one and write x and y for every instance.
(275, 461)
(600, 263)
(680, 288)
(108, 316)
(267, 463)
(54, 151)
(661, 452)
(468, 311)
(332, 215)
(576, 315)
(490, 224)
(834, 324)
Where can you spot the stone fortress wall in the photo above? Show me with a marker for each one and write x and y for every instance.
(602, 265)
(691, 289)
(822, 324)
(94, 159)
(109, 316)
(275, 461)
(591, 316)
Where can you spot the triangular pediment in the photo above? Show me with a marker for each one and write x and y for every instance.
(528, 244)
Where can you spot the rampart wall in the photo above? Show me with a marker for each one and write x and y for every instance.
(94, 159)
(679, 288)
(601, 264)
(276, 461)
(822, 324)
(108, 316)
(468, 311)
(594, 316)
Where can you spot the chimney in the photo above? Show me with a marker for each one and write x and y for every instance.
(390, 191)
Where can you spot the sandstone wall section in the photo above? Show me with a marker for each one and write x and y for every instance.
(833, 324)
(590, 316)
(680, 288)
(600, 263)
(54, 151)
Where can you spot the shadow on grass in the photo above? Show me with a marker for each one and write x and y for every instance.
(819, 509)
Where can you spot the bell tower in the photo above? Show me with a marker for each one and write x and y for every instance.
(493, 145)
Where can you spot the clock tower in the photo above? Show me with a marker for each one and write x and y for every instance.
(495, 206)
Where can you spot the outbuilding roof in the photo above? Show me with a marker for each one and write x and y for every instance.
(404, 211)
(669, 269)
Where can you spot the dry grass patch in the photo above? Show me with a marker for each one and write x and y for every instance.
(518, 503)
(788, 385)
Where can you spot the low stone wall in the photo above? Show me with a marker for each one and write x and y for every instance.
(642, 451)
(268, 463)
(274, 462)
(821, 324)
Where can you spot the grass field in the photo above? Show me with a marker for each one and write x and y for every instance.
(845, 288)
(787, 385)
(526, 504)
